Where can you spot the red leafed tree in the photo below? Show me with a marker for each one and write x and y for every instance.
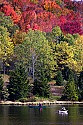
(62, 20)
(71, 23)
(47, 20)
(72, 27)
(9, 11)
(44, 15)
(35, 17)
(27, 20)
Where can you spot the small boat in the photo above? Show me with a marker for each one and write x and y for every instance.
(36, 106)
(63, 111)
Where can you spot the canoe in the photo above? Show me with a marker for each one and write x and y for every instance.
(36, 106)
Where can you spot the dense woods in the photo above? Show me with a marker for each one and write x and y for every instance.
(41, 41)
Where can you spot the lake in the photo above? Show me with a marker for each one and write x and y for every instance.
(23, 115)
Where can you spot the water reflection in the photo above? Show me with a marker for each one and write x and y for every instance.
(23, 115)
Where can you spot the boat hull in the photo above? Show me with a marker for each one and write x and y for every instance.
(63, 112)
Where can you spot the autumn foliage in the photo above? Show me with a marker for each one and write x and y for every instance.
(44, 15)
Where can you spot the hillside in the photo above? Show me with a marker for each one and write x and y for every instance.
(41, 40)
(44, 15)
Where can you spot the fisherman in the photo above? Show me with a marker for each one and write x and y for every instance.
(40, 105)
(63, 109)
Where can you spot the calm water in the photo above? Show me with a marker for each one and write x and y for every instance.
(23, 115)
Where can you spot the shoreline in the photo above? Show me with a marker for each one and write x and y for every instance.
(46, 103)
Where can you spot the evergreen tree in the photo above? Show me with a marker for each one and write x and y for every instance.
(18, 85)
(67, 72)
(59, 78)
(70, 92)
(1, 86)
(41, 87)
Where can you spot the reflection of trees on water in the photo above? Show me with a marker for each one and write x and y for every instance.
(74, 114)
(4, 112)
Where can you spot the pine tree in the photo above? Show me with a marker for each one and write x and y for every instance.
(71, 92)
(41, 87)
(18, 85)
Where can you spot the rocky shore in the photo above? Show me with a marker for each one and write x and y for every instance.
(47, 103)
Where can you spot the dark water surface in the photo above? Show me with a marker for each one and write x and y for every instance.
(23, 115)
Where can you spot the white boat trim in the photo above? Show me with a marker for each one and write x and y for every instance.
(63, 112)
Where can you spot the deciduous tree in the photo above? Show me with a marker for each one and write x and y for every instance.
(35, 53)
(6, 46)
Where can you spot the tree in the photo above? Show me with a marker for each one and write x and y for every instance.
(9, 11)
(66, 73)
(80, 85)
(18, 37)
(6, 22)
(55, 35)
(59, 78)
(18, 85)
(35, 53)
(70, 92)
(72, 27)
(69, 38)
(64, 54)
(6, 46)
(78, 52)
(52, 6)
(41, 87)
(1, 86)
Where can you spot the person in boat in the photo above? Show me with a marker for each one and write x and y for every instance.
(63, 109)
(40, 105)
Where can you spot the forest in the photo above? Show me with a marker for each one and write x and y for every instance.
(41, 41)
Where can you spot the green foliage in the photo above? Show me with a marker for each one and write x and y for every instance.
(78, 53)
(6, 46)
(69, 38)
(80, 86)
(55, 35)
(81, 80)
(54, 98)
(18, 85)
(31, 99)
(35, 53)
(59, 2)
(70, 92)
(76, 36)
(64, 54)
(59, 78)
(41, 54)
(67, 72)
(1, 86)
(6, 22)
(5, 93)
(41, 87)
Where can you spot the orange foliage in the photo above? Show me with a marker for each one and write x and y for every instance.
(51, 6)
(42, 15)
(9, 11)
